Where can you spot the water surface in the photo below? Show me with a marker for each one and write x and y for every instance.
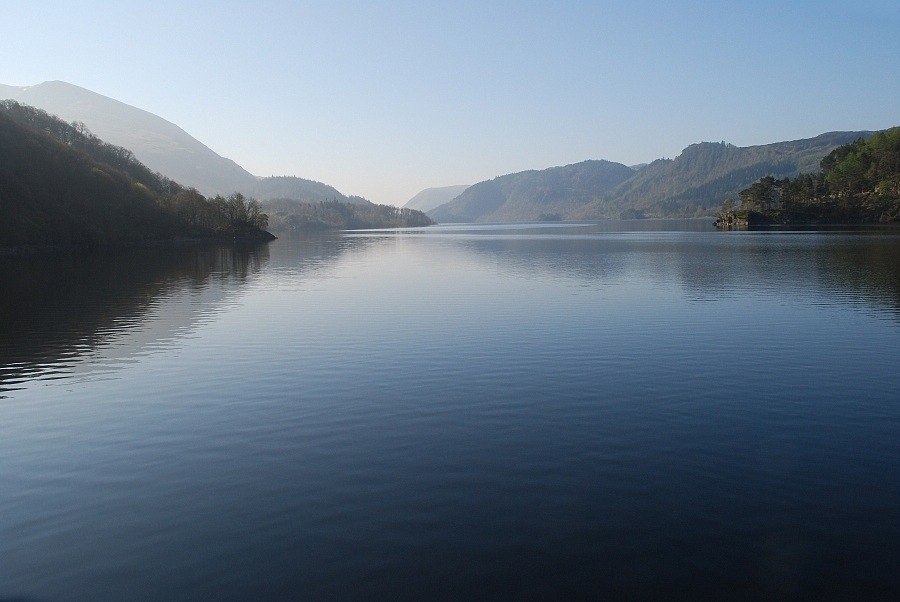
(630, 409)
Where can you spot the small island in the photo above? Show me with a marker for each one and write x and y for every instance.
(859, 183)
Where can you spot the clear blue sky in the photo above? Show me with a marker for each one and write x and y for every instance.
(383, 99)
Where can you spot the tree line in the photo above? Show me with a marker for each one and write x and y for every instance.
(858, 183)
(60, 185)
(287, 214)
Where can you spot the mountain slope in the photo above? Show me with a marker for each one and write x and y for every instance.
(859, 183)
(298, 189)
(431, 198)
(61, 186)
(704, 174)
(534, 195)
(694, 183)
(159, 144)
(54, 194)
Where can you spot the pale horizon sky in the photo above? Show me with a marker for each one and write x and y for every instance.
(384, 99)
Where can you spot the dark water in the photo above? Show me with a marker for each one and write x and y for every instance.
(542, 413)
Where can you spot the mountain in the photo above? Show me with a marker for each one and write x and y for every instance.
(534, 195)
(693, 184)
(286, 214)
(61, 186)
(431, 198)
(164, 147)
(704, 174)
(859, 183)
(159, 144)
(298, 189)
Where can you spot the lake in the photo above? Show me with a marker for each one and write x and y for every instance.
(623, 410)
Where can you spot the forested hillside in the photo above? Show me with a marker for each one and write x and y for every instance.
(858, 183)
(62, 186)
(695, 182)
(156, 142)
(164, 147)
(691, 185)
(288, 214)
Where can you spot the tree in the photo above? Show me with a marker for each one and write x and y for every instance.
(760, 194)
(241, 213)
(859, 182)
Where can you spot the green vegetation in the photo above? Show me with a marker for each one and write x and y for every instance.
(691, 185)
(287, 214)
(297, 204)
(61, 186)
(858, 183)
(695, 182)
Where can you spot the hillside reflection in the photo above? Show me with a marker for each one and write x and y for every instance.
(56, 310)
(855, 268)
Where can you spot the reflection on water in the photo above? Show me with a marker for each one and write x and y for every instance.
(58, 311)
(858, 265)
(630, 410)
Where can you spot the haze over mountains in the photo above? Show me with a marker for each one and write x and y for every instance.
(163, 146)
(533, 195)
(159, 144)
(430, 198)
(693, 184)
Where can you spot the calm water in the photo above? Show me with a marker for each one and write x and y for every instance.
(631, 410)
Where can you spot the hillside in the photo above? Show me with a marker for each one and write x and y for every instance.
(298, 189)
(288, 214)
(431, 198)
(159, 144)
(858, 183)
(61, 186)
(534, 195)
(164, 147)
(693, 184)
(696, 182)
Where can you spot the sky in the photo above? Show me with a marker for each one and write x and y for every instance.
(384, 99)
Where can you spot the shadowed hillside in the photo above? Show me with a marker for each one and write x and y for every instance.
(61, 186)
(159, 144)
(164, 147)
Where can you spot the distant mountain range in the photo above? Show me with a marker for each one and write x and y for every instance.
(431, 198)
(698, 180)
(532, 195)
(693, 184)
